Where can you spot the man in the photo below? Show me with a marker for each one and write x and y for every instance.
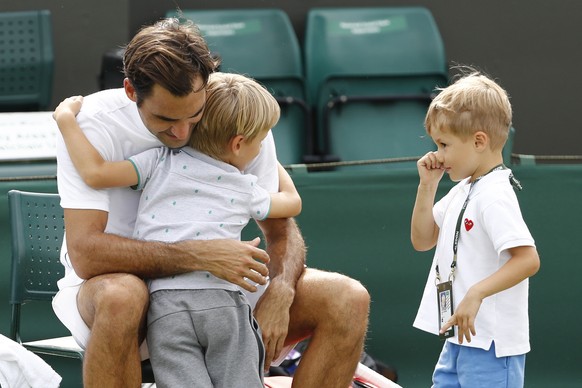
(167, 66)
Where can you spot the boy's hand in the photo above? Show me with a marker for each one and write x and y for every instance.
(430, 169)
(464, 317)
(69, 106)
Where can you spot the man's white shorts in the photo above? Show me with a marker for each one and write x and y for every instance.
(65, 308)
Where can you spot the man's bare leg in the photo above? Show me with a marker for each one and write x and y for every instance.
(114, 306)
(333, 309)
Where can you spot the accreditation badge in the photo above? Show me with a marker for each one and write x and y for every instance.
(445, 304)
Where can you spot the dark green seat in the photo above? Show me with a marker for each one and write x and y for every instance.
(508, 148)
(37, 224)
(26, 60)
(261, 43)
(371, 74)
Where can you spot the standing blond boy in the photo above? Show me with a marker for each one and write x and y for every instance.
(476, 294)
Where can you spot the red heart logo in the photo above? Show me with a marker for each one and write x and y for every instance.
(468, 224)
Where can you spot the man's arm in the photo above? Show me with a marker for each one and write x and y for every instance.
(286, 250)
(93, 252)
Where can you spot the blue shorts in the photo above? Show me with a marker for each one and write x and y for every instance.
(462, 366)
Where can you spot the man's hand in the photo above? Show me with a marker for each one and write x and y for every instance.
(241, 263)
(272, 313)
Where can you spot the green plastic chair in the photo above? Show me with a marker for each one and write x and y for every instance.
(26, 60)
(371, 74)
(37, 224)
(261, 43)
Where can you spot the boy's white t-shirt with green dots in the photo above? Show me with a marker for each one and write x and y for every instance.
(189, 195)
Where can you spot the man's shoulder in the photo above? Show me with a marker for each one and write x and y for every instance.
(112, 123)
(106, 104)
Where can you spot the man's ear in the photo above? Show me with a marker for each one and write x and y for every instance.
(480, 140)
(236, 143)
(129, 90)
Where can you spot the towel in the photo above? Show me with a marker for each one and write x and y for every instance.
(20, 368)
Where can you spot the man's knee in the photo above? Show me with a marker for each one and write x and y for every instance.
(121, 297)
(352, 302)
(340, 297)
(357, 296)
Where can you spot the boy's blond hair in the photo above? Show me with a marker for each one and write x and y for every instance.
(473, 103)
(235, 105)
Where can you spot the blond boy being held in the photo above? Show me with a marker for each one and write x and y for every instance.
(476, 294)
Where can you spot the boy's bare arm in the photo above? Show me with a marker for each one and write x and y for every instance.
(523, 264)
(423, 229)
(287, 202)
(95, 171)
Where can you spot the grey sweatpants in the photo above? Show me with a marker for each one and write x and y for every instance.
(204, 338)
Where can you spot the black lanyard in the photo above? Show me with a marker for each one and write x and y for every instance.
(514, 182)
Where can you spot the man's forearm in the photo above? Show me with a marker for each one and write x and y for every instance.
(102, 253)
(94, 252)
(286, 250)
(228, 259)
